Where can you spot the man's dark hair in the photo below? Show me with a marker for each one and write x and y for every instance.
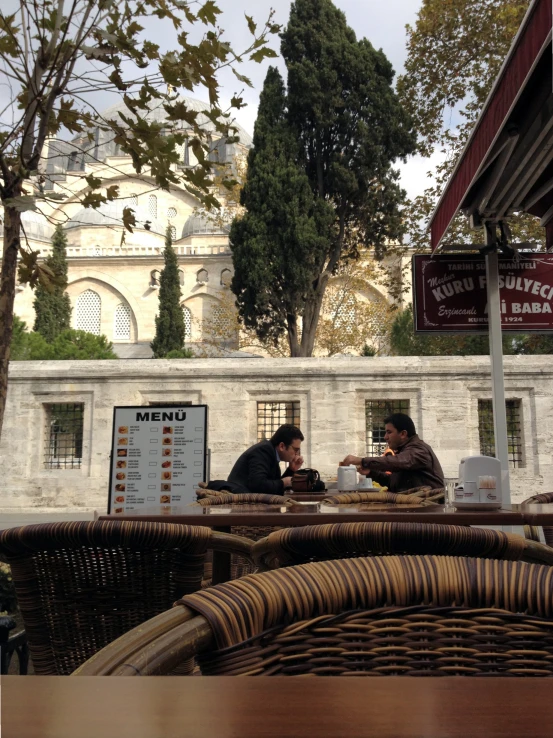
(401, 422)
(286, 434)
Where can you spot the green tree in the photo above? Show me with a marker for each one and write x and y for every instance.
(170, 319)
(52, 304)
(69, 344)
(454, 53)
(348, 128)
(281, 238)
(54, 54)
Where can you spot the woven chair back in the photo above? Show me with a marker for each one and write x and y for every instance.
(431, 615)
(80, 585)
(392, 615)
(532, 532)
(345, 540)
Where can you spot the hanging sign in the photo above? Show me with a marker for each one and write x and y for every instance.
(449, 293)
(158, 456)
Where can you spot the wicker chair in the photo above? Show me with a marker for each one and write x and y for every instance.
(241, 565)
(80, 585)
(532, 532)
(346, 540)
(420, 496)
(395, 615)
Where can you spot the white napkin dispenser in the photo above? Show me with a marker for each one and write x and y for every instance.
(479, 484)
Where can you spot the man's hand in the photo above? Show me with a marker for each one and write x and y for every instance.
(296, 463)
(365, 471)
(287, 482)
(352, 460)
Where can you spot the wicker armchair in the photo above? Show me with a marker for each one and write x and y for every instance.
(240, 565)
(80, 585)
(347, 540)
(419, 496)
(395, 615)
(532, 532)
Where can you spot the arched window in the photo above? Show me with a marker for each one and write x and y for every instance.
(88, 313)
(152, 206)
(220, 319)
(226, 277)
(181, 278)
(187, 322)
(171, 212)
(154, 278)
(344, 308)
(133, 198)
(202, 276)
(173, 233)
(122, 323)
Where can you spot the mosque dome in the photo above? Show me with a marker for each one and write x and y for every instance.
(34, 226)
(202, 225)
(111, 214)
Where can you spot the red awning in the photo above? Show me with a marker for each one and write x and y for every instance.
(503, 135)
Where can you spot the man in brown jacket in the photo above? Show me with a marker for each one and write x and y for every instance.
(413, 465)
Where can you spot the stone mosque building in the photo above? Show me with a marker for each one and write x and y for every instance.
(114, 274)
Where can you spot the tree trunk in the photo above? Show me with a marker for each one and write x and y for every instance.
(292, 328)
(12, 225)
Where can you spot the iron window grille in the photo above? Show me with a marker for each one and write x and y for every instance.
(271, 415)
(64, 436)
(375, 412)
(514, 431)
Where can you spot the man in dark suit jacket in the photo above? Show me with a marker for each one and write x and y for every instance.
(258, 470)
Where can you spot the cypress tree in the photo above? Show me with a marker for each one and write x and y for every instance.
(170, 320)
(52, 305)
(281, 238)
(345, 129)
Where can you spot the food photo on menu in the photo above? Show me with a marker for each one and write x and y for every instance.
(121, 464)
(119, 499)
(167, 429)
(166, 464)
(123, 442)
(121, 452)
(165, 499)
(123, 430)
(120, 487)
(166, 475)
(167, 451)
(167, 441)
(165, 487)
(120, 475)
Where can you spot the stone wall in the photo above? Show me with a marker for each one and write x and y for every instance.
(443, 393)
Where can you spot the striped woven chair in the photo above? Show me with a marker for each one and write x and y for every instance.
(240, 565)
(80, 585)
(421, 496)
(395, 615)
(532, 532)
(346, 540)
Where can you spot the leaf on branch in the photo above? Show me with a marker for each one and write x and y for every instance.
(242, 78)
(112, 192)
(32, 273)
(21, 203)
(251, 25)
(263, 53)
(208, 13)
(93, 200)
(128, 219)
(93, 182)
(96, 52)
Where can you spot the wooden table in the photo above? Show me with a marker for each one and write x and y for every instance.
(275, 707)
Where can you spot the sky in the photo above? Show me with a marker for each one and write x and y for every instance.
(381, 21)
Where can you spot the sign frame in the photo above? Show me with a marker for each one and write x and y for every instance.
(424, 325)
(162, 409)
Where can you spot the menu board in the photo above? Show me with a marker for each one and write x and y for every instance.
(158, 456)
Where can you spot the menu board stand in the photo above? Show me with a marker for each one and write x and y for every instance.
(158, 458)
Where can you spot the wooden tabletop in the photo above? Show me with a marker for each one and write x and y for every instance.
(221, 517)
(275, 707)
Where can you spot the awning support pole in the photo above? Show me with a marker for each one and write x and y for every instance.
(496, 354)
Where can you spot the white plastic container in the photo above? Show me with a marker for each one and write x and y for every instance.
(365, 482)
(347, 478)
